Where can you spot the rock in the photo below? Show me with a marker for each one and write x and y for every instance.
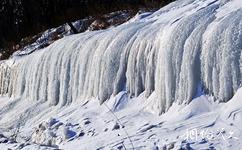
(87, 122)
(3, 140)
(82, 133)
(99, 24)
(120, 147)
(116, 126)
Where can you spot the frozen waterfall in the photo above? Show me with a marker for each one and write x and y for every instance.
(185, 46)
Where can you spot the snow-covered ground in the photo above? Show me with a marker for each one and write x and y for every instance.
(182, 62)
(123, 123)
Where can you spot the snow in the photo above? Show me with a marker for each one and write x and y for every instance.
(90, 126)
(182, 62)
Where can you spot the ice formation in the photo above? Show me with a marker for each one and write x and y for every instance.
(174, 52)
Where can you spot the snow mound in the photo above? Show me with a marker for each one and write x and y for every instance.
(198, 106)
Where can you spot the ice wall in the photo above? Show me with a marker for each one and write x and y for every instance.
(174, 52)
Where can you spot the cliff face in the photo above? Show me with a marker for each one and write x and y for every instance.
(181, 51)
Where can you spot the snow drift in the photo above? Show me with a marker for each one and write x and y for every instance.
(186, 48)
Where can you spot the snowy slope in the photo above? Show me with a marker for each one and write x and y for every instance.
(164, 62)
